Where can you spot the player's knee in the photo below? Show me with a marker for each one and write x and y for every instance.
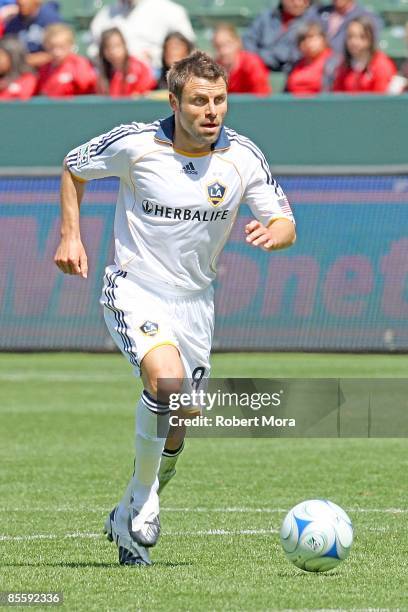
(162, 374)
(166, 383)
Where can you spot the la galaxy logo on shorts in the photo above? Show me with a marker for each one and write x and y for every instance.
(149, 328)
(216, 193)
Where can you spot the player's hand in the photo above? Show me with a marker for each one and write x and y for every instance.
(279, 235)
(71, 257)
(259, 235)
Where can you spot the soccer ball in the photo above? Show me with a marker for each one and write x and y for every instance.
(316, 535)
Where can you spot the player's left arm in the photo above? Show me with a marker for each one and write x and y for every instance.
(273, 227)
(279, 234)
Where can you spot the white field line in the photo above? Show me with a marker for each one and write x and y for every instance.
(227, 510)
(91, 536)
(200, 533)
(278, 510)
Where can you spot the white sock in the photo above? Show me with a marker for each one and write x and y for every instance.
(152, 425)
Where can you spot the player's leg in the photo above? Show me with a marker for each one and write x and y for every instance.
(193, 327)
(137, 325)
(152, 424)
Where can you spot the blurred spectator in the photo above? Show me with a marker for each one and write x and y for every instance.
(399, 83)
(29, 24)
(120, 73)
(365, 69)
(8, 9)
(315, 70)
(175, 47)
(246, 71)
(17, 80)
(337, 16)
(144, 24)
(272, 35)
(66, 74)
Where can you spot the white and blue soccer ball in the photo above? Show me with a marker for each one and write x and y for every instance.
(316, 535)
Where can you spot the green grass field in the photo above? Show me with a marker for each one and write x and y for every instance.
(66, 438)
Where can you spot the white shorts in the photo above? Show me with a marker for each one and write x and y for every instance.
(141, 318)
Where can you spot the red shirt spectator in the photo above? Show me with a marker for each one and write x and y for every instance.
(17, 81)
(66, 74)
(306, 78)
(313, 73)
(246, 71)
(137, 80)
(20, 88)
(121, 74)
(374, 78)
(73, 77)
(249, 75)
(364, 69)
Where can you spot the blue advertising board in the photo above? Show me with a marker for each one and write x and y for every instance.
(343, 286)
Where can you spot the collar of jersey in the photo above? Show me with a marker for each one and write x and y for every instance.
(165, 135)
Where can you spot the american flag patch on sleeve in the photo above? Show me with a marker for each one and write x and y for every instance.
(285, 206)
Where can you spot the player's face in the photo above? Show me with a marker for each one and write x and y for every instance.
(201, 111)
(59, 47)
(358, 43)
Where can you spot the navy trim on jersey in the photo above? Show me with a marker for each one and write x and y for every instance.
(165, 133)
(119, 314)
(100, 150)
(97, 148)
(124, 130)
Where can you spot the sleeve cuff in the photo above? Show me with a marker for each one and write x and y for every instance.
(276, 218)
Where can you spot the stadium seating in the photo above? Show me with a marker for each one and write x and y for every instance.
(393, 43)
(393, 12)
(205, 14)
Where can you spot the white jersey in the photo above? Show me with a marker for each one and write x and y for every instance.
(175, 210)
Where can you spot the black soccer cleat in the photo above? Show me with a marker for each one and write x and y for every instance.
(127, 557)
(130, 553)
(149, 532)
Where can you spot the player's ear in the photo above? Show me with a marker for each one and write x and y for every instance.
(173, 102)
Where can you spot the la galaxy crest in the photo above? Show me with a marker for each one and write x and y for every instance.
(149, 328)
(216, 193)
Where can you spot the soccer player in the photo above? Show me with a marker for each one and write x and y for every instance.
(182, 180)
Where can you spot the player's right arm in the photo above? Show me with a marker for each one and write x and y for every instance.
(103, 156)
(71, 256)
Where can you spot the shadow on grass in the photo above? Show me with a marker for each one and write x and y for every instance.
(172, 563)
(81, 564)
(300, 574)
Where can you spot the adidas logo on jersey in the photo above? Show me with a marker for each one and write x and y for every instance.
(189, 169)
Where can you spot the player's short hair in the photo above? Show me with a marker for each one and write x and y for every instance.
(58, 28)
(198, 64)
